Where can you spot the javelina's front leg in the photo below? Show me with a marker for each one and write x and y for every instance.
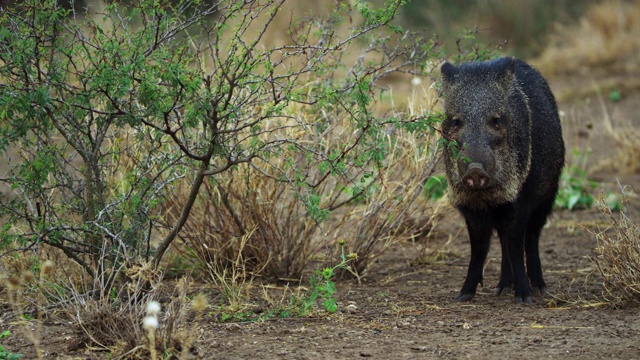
(479, 229)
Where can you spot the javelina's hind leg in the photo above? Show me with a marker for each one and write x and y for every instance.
(534, 268)
(512, 232)
(505, 285)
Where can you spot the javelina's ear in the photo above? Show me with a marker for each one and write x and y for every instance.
(507, 69)
(448, 72)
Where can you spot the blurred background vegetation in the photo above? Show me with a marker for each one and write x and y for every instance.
(558, 37)
(519, 28)
(526, 29)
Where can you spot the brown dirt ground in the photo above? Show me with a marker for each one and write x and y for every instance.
(402, 310)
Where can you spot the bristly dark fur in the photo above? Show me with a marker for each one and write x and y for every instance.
(504, 116)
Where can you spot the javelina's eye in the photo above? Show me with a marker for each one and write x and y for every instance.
(455, 122)
(496, 122)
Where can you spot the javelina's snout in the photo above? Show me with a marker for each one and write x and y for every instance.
(476, 177)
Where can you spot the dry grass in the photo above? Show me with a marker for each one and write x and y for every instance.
(617, 256)
(606, 40)
(106, 311)
(103, 320)
(627, 140)
(31, 291)
(114, 322)
(251, 222)
(397, 209)
(20, 291)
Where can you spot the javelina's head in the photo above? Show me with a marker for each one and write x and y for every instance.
(488, 116)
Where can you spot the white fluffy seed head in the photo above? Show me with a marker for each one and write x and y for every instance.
(150, 323)
(153, 308)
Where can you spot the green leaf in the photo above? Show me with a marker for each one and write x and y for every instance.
(330, 288)
(574, 198)
(330, 305)
(435, 187)
(615, 95)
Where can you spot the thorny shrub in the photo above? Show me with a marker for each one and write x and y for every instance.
(106, 114)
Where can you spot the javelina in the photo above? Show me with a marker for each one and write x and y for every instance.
(505, 175)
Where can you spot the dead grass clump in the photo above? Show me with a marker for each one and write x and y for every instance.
(607, 38)
(617, 256)
(31, 290)
(119, 322)
(270, 218)
(247, 221)
(112, 328)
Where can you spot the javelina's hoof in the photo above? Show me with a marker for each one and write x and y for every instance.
(538, 291)
(503, 290)
(464, 297)
(527, 300)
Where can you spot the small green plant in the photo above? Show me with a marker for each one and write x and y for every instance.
(575, 194)
(615, 95)
(242, 316)
(4, 354)
(575, 189)
(324, 288)
(322, 285)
